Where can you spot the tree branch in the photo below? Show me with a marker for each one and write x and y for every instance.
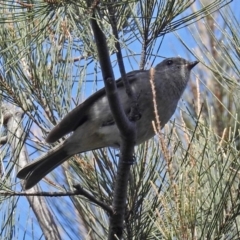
(79, 191)
(127, 130)
(3, 140)
(134, 113)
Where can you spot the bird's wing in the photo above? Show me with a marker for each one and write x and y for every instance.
(79, 115)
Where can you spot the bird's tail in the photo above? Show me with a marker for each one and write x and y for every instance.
(33, 172)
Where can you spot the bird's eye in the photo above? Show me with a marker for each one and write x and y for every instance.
(169, 62)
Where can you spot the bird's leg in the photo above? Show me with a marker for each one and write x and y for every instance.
(131, 161)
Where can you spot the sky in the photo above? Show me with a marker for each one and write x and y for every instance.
(170, 47)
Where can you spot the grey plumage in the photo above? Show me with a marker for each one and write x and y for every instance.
(92, 123)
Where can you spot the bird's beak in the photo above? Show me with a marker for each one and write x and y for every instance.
(192, 64)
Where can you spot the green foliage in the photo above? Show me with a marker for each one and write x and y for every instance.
(185, 183)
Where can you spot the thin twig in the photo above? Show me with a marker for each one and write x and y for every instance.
(3, 140)
(81, 191)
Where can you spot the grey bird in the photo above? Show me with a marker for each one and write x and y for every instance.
(92, 123)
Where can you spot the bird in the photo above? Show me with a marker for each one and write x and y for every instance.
(92, 125)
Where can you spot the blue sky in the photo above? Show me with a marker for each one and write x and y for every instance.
(170, 47)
